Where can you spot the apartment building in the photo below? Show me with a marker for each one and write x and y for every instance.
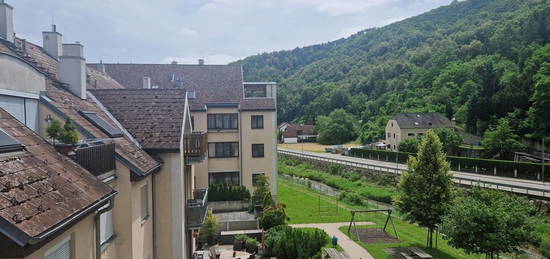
(40, 84)
(236, 118)
(410, 125)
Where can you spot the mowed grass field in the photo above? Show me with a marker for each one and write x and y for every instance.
(303, 207)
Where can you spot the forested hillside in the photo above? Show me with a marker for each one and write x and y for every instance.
(474, 60)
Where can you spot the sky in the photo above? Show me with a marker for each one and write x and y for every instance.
(218, 31)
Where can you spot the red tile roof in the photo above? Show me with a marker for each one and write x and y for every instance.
(69, 105)
(39, 187)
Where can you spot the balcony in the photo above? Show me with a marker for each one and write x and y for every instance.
(98, 158)
(194, 147)
(196, 209)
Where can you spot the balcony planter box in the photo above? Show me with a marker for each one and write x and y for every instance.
(65, 149)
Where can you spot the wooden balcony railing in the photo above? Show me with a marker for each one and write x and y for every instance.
(195, 145)
(98, 159)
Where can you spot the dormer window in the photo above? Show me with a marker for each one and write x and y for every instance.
(259, 90)
(8, 143)
(101, 124)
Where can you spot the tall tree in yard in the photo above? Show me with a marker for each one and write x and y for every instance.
(500, 141)
(425, 189)
(489, 222)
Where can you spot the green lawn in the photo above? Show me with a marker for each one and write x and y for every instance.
(303, 207)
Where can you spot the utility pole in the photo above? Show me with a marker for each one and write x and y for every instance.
(542, 160)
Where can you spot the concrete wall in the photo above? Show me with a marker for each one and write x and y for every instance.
(226, 206)
(82, 236)
(17, 75)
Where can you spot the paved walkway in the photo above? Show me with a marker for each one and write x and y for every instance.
(352, 249)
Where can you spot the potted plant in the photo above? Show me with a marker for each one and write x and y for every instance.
(66, 135)
(252, 245)
(239, 243)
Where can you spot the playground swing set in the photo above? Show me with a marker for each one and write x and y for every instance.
(352, 224)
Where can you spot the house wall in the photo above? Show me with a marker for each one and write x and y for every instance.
(266, 136)
(17, 75)
(246, 136)
(394, 134)
(82, 236)
(290, 140)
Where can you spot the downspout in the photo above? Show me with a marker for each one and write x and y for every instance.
(98, 230)
(153, 214)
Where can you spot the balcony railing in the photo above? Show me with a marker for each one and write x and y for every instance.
(97, 159)
(194, 145)
(197, 208)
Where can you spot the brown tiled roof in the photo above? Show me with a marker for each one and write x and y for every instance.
(422, 120)
(69, 105)
(257, 104)
(292, 130)
(152, 116)
(39, 187)
(100, 80)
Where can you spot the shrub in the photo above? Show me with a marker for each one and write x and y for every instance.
(210, 228)
(351, 197)
(286, 242)
(66, 134)
(545, 247)
(273, 216)
(227, 192)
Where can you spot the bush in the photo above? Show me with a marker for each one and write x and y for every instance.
(545, 247)
(286, 242)
(351, 198)
(525, 170)
(227, 192)
(272, 217)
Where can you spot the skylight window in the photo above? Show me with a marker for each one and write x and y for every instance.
(100, 123)
(8, 143)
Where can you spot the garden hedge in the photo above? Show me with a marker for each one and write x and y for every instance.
(227, 192)
(523, 170)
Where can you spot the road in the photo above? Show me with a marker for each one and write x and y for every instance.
(352, 249)
(519, 186)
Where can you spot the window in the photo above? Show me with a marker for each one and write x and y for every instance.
(144, 202)
(389, 135)
(223, 149)
(257, 150)
(60, 251)
(393, 135)
(106, 226)
(223, 177)
(223, 121)
(193, 122)
(8, 143)
(100, 123)
(257, 121)
(252, 91)
(410, 134)
(255, 178)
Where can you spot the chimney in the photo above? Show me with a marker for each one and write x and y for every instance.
(72, 69)
(53, 42)
(6, 22)
(146, 82)
(101, 67)
(174, 62)
(201, 62)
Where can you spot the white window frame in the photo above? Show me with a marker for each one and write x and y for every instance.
(58, 245)
(142, 199)
(106, 231)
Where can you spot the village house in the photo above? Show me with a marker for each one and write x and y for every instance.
(297, 133)
(410, 125)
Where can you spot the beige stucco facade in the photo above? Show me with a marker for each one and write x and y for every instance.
(245, 164)
(80, 236)
(395, 134)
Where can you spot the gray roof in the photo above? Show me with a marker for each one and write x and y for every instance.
(422, 120)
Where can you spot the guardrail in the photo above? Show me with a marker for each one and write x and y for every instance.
(515, 188)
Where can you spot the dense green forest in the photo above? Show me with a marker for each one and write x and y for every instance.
(475, 61)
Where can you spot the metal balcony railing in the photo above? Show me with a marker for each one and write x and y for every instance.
(195, 144)
(98, 159)
(197, 208)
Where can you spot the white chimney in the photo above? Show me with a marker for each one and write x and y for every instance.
(101, 67)
(201, 62)
(146, 82)
(53, 42)
(72, 69)
(6, 22)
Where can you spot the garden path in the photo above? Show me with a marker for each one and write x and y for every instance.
(352, 249)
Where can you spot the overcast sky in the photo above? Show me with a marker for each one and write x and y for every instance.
(220, 31)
